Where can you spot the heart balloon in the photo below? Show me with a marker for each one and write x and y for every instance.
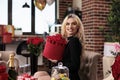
(50, 2)
(40, 4)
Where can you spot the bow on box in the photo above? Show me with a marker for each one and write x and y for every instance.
(26, 77)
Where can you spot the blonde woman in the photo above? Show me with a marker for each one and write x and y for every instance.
(72, 30)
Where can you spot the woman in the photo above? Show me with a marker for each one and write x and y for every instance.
(72, 30)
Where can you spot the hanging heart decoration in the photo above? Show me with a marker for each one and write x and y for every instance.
(40, 4)
(50, 2)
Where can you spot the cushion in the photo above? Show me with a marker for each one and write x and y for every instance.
(5, 55)
(88, 67)
(44, 78)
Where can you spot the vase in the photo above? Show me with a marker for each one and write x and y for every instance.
(34, 63)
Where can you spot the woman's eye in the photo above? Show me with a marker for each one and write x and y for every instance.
(74, 23)
(67, 23)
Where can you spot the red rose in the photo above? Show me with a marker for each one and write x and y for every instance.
(54, 47)
(116, 68)
(37, 41)
(35, 45)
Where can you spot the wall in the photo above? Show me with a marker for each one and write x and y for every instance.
(94, 16)
(77, 4)
(63, 6)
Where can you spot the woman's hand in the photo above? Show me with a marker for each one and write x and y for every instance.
(54, 61)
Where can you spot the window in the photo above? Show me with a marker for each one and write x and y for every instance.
(31, 20)
(4, 12)
(45, 19)
(21, 17)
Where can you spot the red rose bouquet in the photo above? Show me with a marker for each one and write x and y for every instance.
(116, 65)
(116, 68)
(54, 47)
(35, 45)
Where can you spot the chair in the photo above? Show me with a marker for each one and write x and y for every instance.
(2, 47)
(22, 50)
(89, 66)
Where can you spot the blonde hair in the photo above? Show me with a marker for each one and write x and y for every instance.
(79, 34)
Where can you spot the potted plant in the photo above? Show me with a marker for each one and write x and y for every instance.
(114, 21)
(18, 31)
(35, 47)
(113, 34)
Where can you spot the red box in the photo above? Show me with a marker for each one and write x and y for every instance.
(2, 69)
(3, 76)
(6, 29)
(53, 50)
(1, 30)
(7, 38)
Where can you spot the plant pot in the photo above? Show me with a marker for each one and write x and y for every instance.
(18, 32)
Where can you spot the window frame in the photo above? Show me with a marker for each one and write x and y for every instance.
(32, 16)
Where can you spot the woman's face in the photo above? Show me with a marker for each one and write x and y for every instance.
(71, 27)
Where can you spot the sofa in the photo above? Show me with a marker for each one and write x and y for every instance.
(88, 69)
(4, 57)
(89, 66)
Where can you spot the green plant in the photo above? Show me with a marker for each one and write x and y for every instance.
(114, 22)
(18, 28)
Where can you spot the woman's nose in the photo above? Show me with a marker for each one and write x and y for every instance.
(70, 25)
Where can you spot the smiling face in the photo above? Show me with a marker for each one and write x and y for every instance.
(71, 27)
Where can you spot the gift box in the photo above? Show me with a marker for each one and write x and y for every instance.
(7, 38)
(54, 47)
(6, 29)
(9, 29)
(3, 76)
(26, 77)
(1, 30)
(6, 33)
(2, 69)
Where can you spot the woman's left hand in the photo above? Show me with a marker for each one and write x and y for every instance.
(54, 61)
